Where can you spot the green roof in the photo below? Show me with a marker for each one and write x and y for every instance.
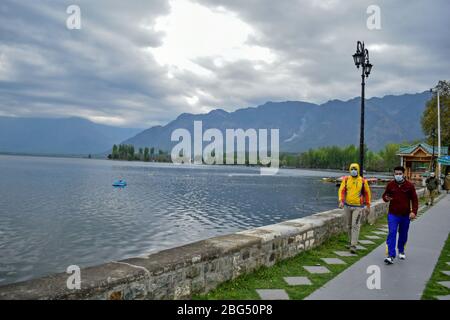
(425, 146)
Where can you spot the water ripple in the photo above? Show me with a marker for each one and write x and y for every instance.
(59, 212)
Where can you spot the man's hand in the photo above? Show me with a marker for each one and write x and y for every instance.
(412, 216)
(341, 205)
(388, 198)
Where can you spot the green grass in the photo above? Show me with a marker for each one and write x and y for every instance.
(422, 200)
(433, 288)
(244, 287)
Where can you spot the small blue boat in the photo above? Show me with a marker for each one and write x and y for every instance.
(120, 183)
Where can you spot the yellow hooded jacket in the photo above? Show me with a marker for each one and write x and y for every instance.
(354, 191)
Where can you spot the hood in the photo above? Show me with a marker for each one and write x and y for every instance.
(354, 165)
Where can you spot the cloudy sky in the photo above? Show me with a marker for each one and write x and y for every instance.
(139, 63)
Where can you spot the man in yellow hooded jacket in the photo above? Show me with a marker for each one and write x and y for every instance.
(354, 197)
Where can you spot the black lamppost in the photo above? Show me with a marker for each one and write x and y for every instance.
(361, 58)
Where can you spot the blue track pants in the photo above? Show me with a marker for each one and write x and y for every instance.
(401, 225)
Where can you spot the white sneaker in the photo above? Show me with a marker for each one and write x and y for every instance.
(402, 256)
(389, 260)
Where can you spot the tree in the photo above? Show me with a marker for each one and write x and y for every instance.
(374, 162)
(335, 157)
(122, 152)
(146, 154)
(128, 152)
(429, 116)
(152, 152)
(130, 149)
(389, 156)
(115, 152)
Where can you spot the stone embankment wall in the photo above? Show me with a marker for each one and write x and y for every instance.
(198, 267)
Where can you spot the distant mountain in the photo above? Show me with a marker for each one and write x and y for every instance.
(305, 125)
(58, 136)
(302, 126)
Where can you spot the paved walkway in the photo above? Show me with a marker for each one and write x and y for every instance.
(405, 280)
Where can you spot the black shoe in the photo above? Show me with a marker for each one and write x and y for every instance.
(353, 249)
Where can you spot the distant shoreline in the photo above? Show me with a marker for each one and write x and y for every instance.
(101, 157)
(45, 155)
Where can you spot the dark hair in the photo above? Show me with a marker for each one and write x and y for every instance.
(400, 168)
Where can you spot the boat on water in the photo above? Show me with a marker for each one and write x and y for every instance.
(120, 183)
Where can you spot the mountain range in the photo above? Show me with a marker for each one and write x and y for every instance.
(306, 125)
(302, 126)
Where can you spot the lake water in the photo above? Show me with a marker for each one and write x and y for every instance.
(56, 212)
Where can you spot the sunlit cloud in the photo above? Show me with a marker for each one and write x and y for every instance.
(116, 121)
(192, 31)
(379, 47)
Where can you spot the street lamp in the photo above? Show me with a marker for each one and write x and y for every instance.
(433, 135)
(436, 90)
(361, 59)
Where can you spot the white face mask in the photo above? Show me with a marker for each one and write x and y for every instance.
(354, 173)
(398, 177)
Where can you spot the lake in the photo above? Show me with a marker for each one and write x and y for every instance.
(56, 212)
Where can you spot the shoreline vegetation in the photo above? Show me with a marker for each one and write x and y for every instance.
(324, 158)
(128, 152)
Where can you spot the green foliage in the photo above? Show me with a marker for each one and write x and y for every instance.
(127, 152)
(332, 157)
(146, 154)
(115, 152)
(335, 157)
(429, 116)
(389, 156)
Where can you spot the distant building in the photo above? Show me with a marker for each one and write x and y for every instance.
(417, 159)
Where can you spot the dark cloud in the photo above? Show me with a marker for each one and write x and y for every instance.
(316, 38)
(98, 71)
(106, 70)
